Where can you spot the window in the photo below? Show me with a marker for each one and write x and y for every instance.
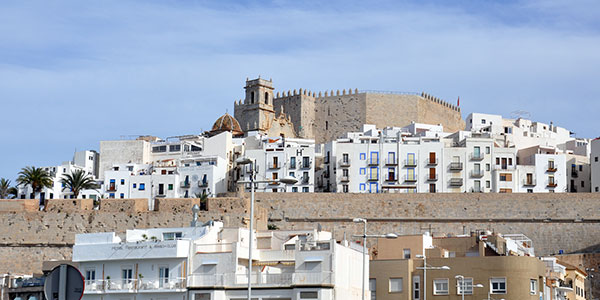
(482, 121)
(292, 174)
(251, 97)
(345, 188)
(487, 184)
(169, 236)
(326, 125)
(487, 150)
(122, 196)
(90, 275)
(582, 184)
(363, 156)
(362, 171)
(292, 162)
(497, 160)
(596, 189)
(505, 177)
(362, 187)
(170, 187)
(174, 148)
(127, 275)
(395, 285)
(122, 181)
(580, 168)
(510, 161)
(417, 287)
(163, 276)
(294, 189)
(487, 167)
(142, 186)
(134, 185)
(306, 162)
(406, 253)
(432, 187)
(373, 288)
(159, 149)
(309, 295)
(533, 286)
(305, 189)
(266, 97)
(111, 196)
(467, 284)
(345, 172)
(440, 286)
(498, 285)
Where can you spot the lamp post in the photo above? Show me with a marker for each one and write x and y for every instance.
(462, 285)
(286, 180)
(591, 281)
(425, 268)
(365, 236)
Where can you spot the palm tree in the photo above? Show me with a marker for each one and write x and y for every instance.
(78, 180)
(203, 199)
(4, 188)
(37, 178)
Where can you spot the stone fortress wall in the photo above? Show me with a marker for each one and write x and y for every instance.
(325, 116)
(568, 222)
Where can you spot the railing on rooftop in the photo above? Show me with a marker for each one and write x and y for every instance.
(135, 285)
(261, 279)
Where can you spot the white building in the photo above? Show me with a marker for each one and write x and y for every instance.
(595, 165)
(211, 262)
(278, 157)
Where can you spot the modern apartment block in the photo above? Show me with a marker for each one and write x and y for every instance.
(210, 262)
(279, 157)
(482, 265)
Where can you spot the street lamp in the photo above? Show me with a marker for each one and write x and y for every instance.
(286, 180)
(462, 285)
(425, 268)
(591, 281)
(365, 236)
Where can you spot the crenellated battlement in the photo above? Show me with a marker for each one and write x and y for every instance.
(440, 101)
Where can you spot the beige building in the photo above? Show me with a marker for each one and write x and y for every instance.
(493, 267)
(325, 116)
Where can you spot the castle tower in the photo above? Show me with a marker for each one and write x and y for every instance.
(256, 112)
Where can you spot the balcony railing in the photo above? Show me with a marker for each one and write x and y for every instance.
(410, 178)
(551, 168)
(390, 177)
(391, 161)
(305, 179)
(274, 165)
(134, 285)
(345, 179)
(344, 163)
(111, 188)
(432, 162)
(574, 173)
(306, 164)
(431, 177)
(261, 279)
(456, 166)
(456, 181)
(373, 161)
(477, 173)
(529, 182)
(410, 162)
(552, 184)
(185, 184)
(476, 190)
(373, 177)
(202, 183)
(477, 156)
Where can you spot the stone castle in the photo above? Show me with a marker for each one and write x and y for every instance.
(327, 116)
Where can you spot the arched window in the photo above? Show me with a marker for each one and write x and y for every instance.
(251, 97)
(266, 97)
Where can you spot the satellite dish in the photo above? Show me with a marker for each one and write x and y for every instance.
(65, 282)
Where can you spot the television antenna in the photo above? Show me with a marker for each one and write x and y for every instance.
(517, 114)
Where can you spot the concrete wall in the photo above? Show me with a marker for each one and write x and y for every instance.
(568, 222)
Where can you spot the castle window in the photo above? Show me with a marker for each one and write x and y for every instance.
(251, 97)
(326, 125)
(266, 98)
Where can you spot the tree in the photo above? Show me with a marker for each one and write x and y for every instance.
(5, 188)
(37, 178)
(203, 200)
(78, 180)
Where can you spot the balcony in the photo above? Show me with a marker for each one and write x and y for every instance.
(203, 183)
(552, 184)
(120, 286)
(477, 156)
(305, 179)
(261, 280)
(185, 184)
(476, 173)
(410, 162)
(111, 188)
(432, 162)
(306, 164)
(551, 168)
(373, 177)
(344, 163)
(410, 178)
(391, 161)
(162, 284)
(529, 182)
(274, 165)
(391, 177)
(345, 179)
(476, 190)
(135, 285)
(574, 173)
(456, 181)
(431, 177)
(456, 166)
(373, 161)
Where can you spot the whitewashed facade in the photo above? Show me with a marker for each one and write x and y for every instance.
(211, 262)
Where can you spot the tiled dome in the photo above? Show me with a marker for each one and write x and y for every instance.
(227, 123)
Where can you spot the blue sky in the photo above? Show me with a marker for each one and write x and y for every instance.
(73, 73)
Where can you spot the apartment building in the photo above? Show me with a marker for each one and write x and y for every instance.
(595, 165)
(210, 262)
(82, 160)
(564, 281)
(482, 265)
(278, 157)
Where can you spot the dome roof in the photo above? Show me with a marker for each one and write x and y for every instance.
(227, 123)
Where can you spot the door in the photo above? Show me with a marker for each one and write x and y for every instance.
(529, 178)
(432, 173)
(410, 174)
(161, 189)
(504, 166)
(374, 157)
(373, 187)
(410, 159)
(432, 158)
(391, 157)
(416, 287)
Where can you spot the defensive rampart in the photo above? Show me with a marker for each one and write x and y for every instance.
(568, 222)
